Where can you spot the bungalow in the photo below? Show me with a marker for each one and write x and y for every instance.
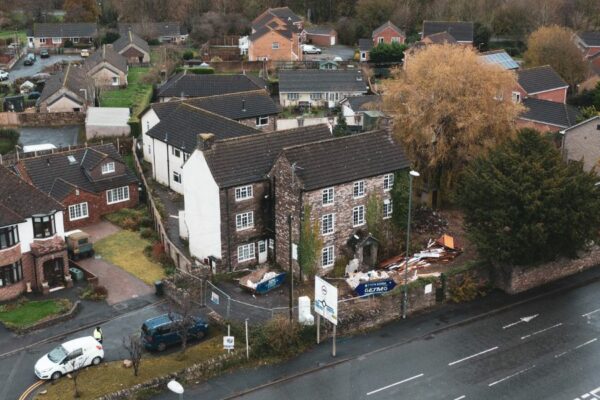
(388, 33)
(319, 88)
(547, 116)
(55, 35)
(88, 182)
(67, 91)
(32, 249)
(462, 32)
(277, 34)
(187, 85)
(581, 142)
(133, 48)
(107, 68)
(164, 32)
(540, 83)
(362, 112)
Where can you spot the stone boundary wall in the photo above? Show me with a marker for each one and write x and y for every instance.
(41, 119)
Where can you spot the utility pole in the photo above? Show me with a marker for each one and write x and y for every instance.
(291, 268)
(411, 174)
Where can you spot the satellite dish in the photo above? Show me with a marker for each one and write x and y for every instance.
(175, 387)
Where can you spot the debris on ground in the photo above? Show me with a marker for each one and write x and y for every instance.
(442, 250)
(262, 280)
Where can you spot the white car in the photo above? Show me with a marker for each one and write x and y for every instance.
(3, 75)
(85, 53)
(69, 356)
(310, 49)
(14, 45)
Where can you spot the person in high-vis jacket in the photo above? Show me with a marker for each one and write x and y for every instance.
(98, 334)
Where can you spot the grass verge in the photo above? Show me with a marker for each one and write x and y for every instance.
(24, 313)
(136, 95)
(22, 35)
(125, 249)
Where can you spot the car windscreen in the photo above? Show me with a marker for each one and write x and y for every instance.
(57, 355)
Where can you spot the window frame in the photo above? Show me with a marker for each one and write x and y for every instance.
(240, 190)
(329, 252)
(316, 96)
(248, 252)
(328, 220)
(275, 46)
(260, 119)
(108, 168)
(244, 221)
(176, 152)
(120, 196)
(293, 96)
(328, 193)
(56, 40)
(177, 177)
(359, 189)
(358, 216)
(14, 271)
(388, 208)
(388, 182)
(41, 224)
(78, 208)
(10, 236)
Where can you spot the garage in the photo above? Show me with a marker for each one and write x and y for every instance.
(321, 35)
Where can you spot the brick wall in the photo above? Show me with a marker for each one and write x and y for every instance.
(51, 119)
(10, 255)
(557, 96)
(263, 47)
(387, 34)
(251, 122)
(522, 123)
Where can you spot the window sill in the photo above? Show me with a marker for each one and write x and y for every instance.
(78, 218)
(359, 225)
(116, 202)
(243, 199)
(244, 229)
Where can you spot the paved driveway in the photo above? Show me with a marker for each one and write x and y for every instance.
(346, 52)
(21, 71)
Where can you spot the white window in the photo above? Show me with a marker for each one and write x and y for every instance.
(56, 40)
(327, 224)
(115, 81)
(275, 45)
(176, 176)
(328, 196)
(396, 39)
(380, 40)
(358, 216)
(43, 40)
(246, 252)
(363, 55)
(262, 121)
(359, 189)
(75, 40)
(387, 209)
(293, 96)
(176, 152)
(117, 195)
(516, 97)
(327, 257)
(243, 193)
(388, 182)
(244, 221)
(108, 168)
(316, 96)
(78, 211)
(186, 156)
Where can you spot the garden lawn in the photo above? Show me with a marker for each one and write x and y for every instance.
(94, 382)
(125, 249)
(22, 35)
(23, 314)
(136, 95)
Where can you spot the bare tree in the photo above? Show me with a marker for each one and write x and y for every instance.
(182, 309)
(135, 349)
(76, 365)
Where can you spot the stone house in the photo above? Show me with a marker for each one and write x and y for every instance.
(70, 90)
(55, 35)
(388, 33)
(335, 178)
(462, 32)
(228, 216)
(107, 68)
(88, 182)
(165, 32)
(133, 48)
(277, 34)
(187, 85)
(581, 142)
(32, 249)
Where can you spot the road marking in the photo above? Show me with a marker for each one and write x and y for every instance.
(520, 321)
(460, 398)
(586, 343)
(30, 389)
(590, 313)
(395, 384)
(561, 354)
(541, 331)
(511, 376)
(471, 356)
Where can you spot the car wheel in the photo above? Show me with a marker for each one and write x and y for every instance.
(161, 346)
(55, 376)
(96, 361)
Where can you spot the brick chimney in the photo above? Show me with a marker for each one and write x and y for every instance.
(205, 141)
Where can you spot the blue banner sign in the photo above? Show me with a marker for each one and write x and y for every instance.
(376, 287)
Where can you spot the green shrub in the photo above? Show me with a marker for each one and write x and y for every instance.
(188, 55)
(279, 337)
(136, 128)
(110, 37)
(128, 218)
(147, 233)
(146, 222)
(68, 44)
(153, 42)
(94, 293)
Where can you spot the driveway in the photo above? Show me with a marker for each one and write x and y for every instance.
(21, 71)
(345, 52)
(60, 136)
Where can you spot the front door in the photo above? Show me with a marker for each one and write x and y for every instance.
(262, 251)
(54, 272)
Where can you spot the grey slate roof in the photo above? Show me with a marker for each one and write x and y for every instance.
(320, 80)
(153, 29)
(388, 24)
(540, 79)
(363, 103)
(319, 30)
(550, 112)
(441, 38)
(61, 176)
(193, 85)
(286, 14)
(461, 31)
(591, 39)
(249, 159)
(109, 55)
(262, 30)
(234, 106)
(365, 44)
(181, 127)
(20, 200)
(73, 78)
(345, 159)
(65, 30)
(130, 38)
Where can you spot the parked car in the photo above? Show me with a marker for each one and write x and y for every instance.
(44, 53)
(69, 356)
(85, 53)
(29, 59)
(13, 45)
(160, 332)
(78, 244)
(310, 49)
(3, 75)
(33, 96)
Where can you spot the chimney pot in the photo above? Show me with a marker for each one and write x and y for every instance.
(205, 141)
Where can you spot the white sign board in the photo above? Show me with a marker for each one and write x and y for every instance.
(428, 288)
(294, 251)
(228, 342)
(326, 300)
(214, 297)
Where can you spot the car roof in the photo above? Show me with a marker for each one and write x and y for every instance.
(79, 343)
(159, 321)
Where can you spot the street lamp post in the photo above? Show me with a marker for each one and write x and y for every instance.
(411, 175)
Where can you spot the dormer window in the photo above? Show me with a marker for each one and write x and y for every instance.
(108, 168)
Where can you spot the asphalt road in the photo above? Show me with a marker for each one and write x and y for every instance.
(330, 52)
(20, 70)
(552, 353)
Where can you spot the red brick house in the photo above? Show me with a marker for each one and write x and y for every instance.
(547, 116)
(321, 35)
(277, 34)
(589, 43)
(88, 182)
(55, 35)
(462, 32)
(388, 33)
(540, 83)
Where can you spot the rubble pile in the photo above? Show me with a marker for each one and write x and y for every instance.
(426, 220)
(442, 250)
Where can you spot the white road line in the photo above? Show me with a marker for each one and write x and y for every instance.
(561, 354)
(586, 343)
(460, 398)
(474, 355)
(590, 313)
(511, 376)
(394, 384)
(543, 330)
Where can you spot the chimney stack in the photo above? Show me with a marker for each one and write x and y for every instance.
(205, 141)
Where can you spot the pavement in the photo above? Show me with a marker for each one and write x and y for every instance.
(542, 344)
(58, 136)
(21, 71)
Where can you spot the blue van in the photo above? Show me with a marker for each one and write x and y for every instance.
(160, 332)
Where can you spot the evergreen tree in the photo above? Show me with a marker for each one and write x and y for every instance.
(523, 204)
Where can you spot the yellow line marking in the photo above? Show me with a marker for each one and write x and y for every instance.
(30, 389)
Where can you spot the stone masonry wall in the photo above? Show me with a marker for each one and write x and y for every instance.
(51, 119)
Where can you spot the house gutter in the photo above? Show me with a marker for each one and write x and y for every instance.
(228, 231)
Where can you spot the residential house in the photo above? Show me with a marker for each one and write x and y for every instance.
(133, 48)
(187, 85)
(228, 217)
(364, 48)
(547, 116)
(589, 43)
(277, 34)
(164, 32)
(440, 38)
(321, 35)
(107, 68)
(334, 178)
(540, 83)
(388, 33)
(32, 249)
(55, 35)
(362, 113)
(70, 90)
(581, 142)
(319, 88)
(500, 58)
(89, 182)
(462, 32)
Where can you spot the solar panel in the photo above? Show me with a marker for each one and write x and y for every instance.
(502, 59)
